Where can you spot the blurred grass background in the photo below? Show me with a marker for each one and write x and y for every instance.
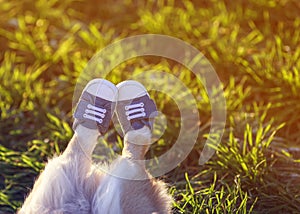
(254, 47)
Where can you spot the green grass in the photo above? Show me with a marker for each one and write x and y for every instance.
(254, 47)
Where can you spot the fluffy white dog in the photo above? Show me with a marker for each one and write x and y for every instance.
(71, 183)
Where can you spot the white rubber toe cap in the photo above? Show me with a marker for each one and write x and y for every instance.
(103, 89)
(130, 89)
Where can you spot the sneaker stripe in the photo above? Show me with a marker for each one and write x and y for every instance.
(134, 111)
(94, 113)
(136, 116)
(96, 108)
(128, 107)
(99, 120)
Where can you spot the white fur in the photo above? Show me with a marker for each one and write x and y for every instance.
(107, 197)
(70, 183)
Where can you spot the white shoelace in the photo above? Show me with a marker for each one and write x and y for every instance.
(135, 108)
(93, 111)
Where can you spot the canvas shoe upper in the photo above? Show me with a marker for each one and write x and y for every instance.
(135, 109)
(96, 105)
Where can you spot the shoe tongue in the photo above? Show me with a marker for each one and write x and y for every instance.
(138, 124)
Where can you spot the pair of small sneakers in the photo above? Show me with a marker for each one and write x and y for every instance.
(101, 98)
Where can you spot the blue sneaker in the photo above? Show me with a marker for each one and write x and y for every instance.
(135, 109)
(96, 105)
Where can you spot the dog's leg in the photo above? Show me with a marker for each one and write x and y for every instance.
(68, 182)
(147, 195)
(117, 195)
